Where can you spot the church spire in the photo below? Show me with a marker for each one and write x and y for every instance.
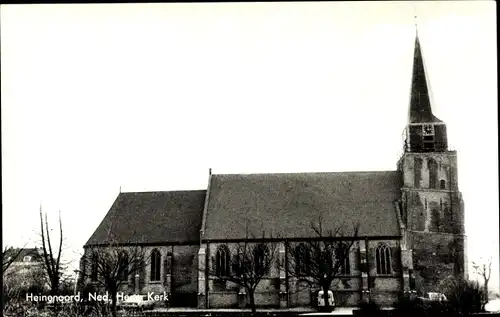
(420, 104)
(425, 132)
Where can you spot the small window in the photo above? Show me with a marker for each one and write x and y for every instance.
(94, 267)
(168, 264)
(27, 258)
(442, 184)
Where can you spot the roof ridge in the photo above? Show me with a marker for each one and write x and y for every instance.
(165, 191)
(310, 173)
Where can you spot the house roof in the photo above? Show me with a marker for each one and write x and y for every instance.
(287, 204)
(34, 253)
(152, 217)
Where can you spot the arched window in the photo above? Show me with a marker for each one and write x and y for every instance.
(222, 261)
(302, 259)
(343, 258)
(432, 166)
(123, 266)
(94, 266)
(261, 258)
(442, 184)
(155, 266)
(383, 258)
(418, 172)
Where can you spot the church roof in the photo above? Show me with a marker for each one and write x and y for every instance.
(152, 217)
(287, 204)
(420, 103)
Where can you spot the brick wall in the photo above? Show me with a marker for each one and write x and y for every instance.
(347, 289)
(183, 271)
(437, 258)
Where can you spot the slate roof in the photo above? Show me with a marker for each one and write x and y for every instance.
(420, 103)
(152, 217)
(287, 204)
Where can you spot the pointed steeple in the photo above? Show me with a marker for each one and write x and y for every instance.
(425, 132)
(420, 104)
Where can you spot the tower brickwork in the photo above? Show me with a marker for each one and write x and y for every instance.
(431, 203)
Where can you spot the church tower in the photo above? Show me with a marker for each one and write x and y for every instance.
(431, 206)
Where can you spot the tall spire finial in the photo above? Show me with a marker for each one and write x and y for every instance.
(415, 20)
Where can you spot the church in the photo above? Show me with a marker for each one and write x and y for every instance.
(411, 224)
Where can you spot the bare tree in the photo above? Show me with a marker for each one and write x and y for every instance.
(252, 261)
(484, 270)
(319, 261)
(111, 266)
(51, 261)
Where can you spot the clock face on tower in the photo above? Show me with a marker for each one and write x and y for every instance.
(428, 129)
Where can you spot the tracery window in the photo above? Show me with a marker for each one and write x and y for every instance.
(261, 258)
(123, 266)
(343, 256)
(222, 261)
(302, 260)
(155, 266)
(383, 259)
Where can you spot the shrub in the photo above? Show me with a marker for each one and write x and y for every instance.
(17, 307)
(411, 307)
(439, 309)
(416, 307)
(369, 309)
(466, 297)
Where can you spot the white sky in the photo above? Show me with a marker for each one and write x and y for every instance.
(148, 97)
